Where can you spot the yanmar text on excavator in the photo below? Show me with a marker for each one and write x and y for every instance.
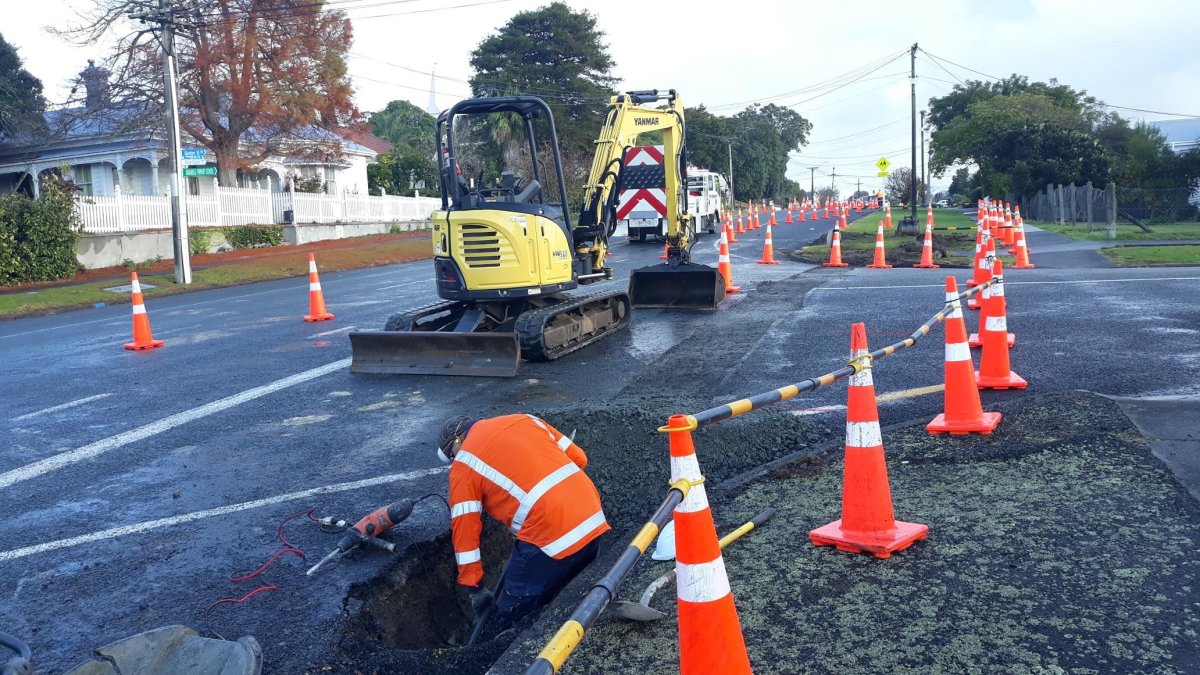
(506, 255)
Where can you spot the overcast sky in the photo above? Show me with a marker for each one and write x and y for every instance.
(724, 55)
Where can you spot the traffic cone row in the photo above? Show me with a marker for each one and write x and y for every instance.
(710, 633)
(868, 523)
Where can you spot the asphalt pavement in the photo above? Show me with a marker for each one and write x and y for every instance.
(140, 482)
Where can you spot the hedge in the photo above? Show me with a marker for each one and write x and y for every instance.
(254, 236)
(38, 236)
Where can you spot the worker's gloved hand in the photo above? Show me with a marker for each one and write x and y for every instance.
(481, 598)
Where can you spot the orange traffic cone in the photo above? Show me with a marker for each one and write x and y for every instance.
(1022, 250)
(927, 248)
(710, 634)
(740, 229)
(887, 217)
(724, 267)
(788, 220)
(985, 314)
(754, 217)
(729, 232)
(143, 338)
(983, 272)
(835, 251)
(768, 255)
(771, 220)
(1010, 232)
(880, 261)
(994, 370)
(802, 218)
(963, 410)
(316, 298)
(868, 524)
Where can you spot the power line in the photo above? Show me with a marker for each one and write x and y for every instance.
(869, 67)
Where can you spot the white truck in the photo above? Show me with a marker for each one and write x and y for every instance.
(707, 191)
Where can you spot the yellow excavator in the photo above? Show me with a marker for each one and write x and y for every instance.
(506, 254)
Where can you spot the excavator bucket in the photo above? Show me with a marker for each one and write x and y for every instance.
(435, 353)
(679, 286)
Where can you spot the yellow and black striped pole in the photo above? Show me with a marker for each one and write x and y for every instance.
(571, 633)
(745, 405)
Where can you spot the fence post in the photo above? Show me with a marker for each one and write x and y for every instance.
(1110, 201)
(1062, 205)
(217, 201)
(270, 197)
(1090, 195)
(120, 208)
(291, 188)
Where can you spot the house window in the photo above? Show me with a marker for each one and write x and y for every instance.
(330, 180)
(83, 178)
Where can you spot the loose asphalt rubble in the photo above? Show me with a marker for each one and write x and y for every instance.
(1057, 544)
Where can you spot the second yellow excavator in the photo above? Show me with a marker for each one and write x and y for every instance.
(506, 255)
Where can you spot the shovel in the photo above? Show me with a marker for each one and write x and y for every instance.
(642, 611)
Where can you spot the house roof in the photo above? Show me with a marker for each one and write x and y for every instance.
(365, 138)
(1179, 131)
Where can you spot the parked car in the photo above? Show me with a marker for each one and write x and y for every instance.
(942, 204)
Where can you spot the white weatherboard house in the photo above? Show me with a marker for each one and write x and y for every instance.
(104, 151)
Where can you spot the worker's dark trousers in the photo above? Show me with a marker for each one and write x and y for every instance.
(532, 579)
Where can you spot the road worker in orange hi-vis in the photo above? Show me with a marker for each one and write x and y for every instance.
(529, 476)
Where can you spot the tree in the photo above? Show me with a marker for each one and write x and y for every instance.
(959, 184)
(402, 123)
(257, 77)
(761, 139)
(402, 170)
(558, 54)
(21, 102)
(899, 186)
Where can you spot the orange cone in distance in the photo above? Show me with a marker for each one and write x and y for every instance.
(710, 634)
(143, 338)
(880, 261)
(994, 369)
(927, 248)
(771, 220)
(728, 231)
(983, 272)
(1022, 261)
(985, 312)
(316, 298)
(888, 217)
(666, 249)
(740, 229)
(788, 220)
(768, 254)
(868, 523)
(963, 412)
(724, 267)
(835, 251)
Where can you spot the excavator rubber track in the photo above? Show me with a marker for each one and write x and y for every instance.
(574, 322)
(422, 341)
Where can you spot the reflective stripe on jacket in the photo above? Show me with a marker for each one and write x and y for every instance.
(529, 476)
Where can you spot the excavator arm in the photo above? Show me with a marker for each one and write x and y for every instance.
(629, 115)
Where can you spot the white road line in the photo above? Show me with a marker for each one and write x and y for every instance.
(69, 325)
(335, 331)
(63, 406)
(55, 462)
(819, 410)
(1011, 283)
(160, 523)
(410, 283)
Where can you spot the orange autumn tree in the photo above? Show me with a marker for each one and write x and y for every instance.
(257, 78)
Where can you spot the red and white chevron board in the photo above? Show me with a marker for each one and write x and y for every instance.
(646, 203)
(644, 155)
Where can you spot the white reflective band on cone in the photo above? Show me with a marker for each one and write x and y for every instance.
(863, 377)
(996, 324)
(959, 351)
(878, 244)
(314, 287)
(468, 557)
(137, 287)
(139, 308)
(312, 266)
(463, 508)
(998, 288)
(863, 435)
(703, 582)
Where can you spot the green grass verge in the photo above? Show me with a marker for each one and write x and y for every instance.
(74, 296)
(1143, 256)
(1125, 231)
(942, 218)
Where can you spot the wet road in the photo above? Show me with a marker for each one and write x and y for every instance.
(135, 484)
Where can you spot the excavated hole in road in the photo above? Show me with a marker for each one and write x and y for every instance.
(408, 619)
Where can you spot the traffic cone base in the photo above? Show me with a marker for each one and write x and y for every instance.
(878, 544)
(1010, 381)
(984, 425)
(311, 318)
(975, 341)
(926, 267)
(139, 346)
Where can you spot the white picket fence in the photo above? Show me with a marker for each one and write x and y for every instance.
(247, 206)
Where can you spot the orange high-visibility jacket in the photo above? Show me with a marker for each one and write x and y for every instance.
(529, 476)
